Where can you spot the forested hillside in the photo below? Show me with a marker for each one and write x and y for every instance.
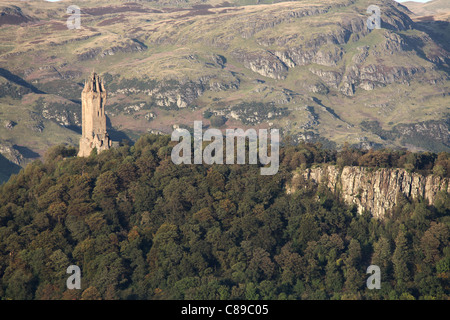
(140, 227)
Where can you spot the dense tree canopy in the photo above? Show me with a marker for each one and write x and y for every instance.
(141, 227)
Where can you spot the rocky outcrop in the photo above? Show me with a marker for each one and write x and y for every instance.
(376, 190)
(13, 15)
(10, 153)
(263, 62)
(179, 95)
(175, 93)
(8, 124)
(127, 46)
(252, 112)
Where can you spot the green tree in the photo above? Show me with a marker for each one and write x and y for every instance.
(401, 259)
(382, 256)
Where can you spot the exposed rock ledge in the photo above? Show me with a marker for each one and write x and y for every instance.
(374, 190)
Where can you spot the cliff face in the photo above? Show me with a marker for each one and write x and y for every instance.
(375, 190)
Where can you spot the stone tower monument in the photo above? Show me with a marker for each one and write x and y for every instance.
(94, 134)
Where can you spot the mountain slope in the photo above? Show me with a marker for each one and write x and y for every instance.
(439, 8)
(310, 68)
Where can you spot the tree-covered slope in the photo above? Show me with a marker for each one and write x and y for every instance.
(141, 227)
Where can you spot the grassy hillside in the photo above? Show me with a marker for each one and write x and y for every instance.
(430, 8)
(165, 63)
